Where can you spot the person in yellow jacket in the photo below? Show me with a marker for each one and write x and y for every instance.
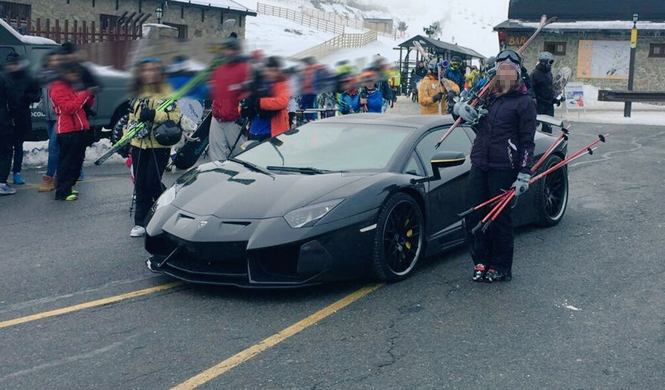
(432, 94)
(149, 157)
(473, 77)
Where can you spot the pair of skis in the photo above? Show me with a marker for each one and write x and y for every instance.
(182, 91)
(490, 84)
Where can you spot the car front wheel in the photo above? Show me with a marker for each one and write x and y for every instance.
(399, 238)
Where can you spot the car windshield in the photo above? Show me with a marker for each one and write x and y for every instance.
(330, 147)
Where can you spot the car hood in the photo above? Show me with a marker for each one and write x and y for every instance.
(228, 190)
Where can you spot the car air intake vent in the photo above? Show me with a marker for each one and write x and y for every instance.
(239, 223)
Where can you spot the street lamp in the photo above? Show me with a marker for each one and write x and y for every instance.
(159, 12)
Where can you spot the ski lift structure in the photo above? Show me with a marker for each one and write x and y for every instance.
(408, 55)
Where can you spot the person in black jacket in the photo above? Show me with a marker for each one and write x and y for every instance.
(542, 84)
(27, 91)
(502, 154)
(6, 130)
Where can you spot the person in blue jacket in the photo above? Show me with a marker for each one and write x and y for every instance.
(455, 72)
(371, 99)
(349, 102)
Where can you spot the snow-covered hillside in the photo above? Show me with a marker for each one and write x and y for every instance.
(282, 37)
(468, 24)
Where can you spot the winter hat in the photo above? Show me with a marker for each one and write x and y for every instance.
(517, 68)
(273, 62)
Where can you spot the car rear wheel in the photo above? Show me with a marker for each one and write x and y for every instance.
(552, 195)
(399, 238)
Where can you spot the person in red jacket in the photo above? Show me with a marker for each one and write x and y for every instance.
(70, 98)
(228, 88)
(272, 117)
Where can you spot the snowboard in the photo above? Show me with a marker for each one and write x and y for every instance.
(560, 81)
(191, 151)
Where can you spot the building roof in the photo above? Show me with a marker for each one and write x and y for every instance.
(220, 4)
(428, 42)
(587, 10)
(616, 26)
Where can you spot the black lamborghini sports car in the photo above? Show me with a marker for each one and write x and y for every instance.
(345, 197)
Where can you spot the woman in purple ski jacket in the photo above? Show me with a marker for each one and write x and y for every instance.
(501, 159)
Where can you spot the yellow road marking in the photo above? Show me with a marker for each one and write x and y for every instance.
(32, 186)
(87, 305)
(243, 356)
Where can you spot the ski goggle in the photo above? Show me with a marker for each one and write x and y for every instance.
(548, 62)
(149, 60)
(455, 64)
(509, 55)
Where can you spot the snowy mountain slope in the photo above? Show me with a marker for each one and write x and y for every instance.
(282, 37)
(468, 24)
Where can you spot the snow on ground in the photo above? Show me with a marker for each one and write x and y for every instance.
(278, 36)
(651, 118)
(35, 154)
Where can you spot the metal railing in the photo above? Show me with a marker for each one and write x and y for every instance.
(300, 18)
(348, 41)
(630, 96)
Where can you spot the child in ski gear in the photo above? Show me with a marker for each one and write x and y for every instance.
(149, 157)
(6, 137)
(228, 89)
(432, 94)
(45, 77)
(501, 159)
(272, 117)
(542, 84)
(70, 97)
(349, 102)
(371, 99)
(27, 91)
(455, 73)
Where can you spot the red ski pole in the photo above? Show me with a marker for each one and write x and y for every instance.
(564, 135)
(494, 213)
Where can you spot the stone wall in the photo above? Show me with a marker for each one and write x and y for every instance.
(649, 72)
(208, 26)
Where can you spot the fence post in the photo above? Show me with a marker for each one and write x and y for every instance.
(39, 26)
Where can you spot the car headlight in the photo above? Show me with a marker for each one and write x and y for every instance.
(166, 198)
(309, 215)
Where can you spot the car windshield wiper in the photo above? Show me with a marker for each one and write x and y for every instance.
(304, 170)
(251, 166)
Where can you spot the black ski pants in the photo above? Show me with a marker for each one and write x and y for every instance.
(148, 166)
(70, 161)
(495, 247)
(6, 150)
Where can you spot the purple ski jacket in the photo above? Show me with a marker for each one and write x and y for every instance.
(505, 136)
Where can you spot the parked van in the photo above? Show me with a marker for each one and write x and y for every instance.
(112, 100)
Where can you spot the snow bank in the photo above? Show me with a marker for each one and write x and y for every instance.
(651, 118)
(35, 154)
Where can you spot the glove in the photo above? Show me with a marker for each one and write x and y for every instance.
(437, 97)
(521, 185)
(466, 111)
(147, 115)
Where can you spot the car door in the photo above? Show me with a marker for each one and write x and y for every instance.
(446, 196)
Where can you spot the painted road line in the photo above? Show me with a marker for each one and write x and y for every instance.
(243, 356)
(87, 305)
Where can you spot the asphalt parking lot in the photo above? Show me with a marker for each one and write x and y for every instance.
(585, 309)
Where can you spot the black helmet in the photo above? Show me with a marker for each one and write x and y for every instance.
(168, 134)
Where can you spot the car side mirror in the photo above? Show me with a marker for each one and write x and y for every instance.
(248, 145)
(442, 160)
(445, 160)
